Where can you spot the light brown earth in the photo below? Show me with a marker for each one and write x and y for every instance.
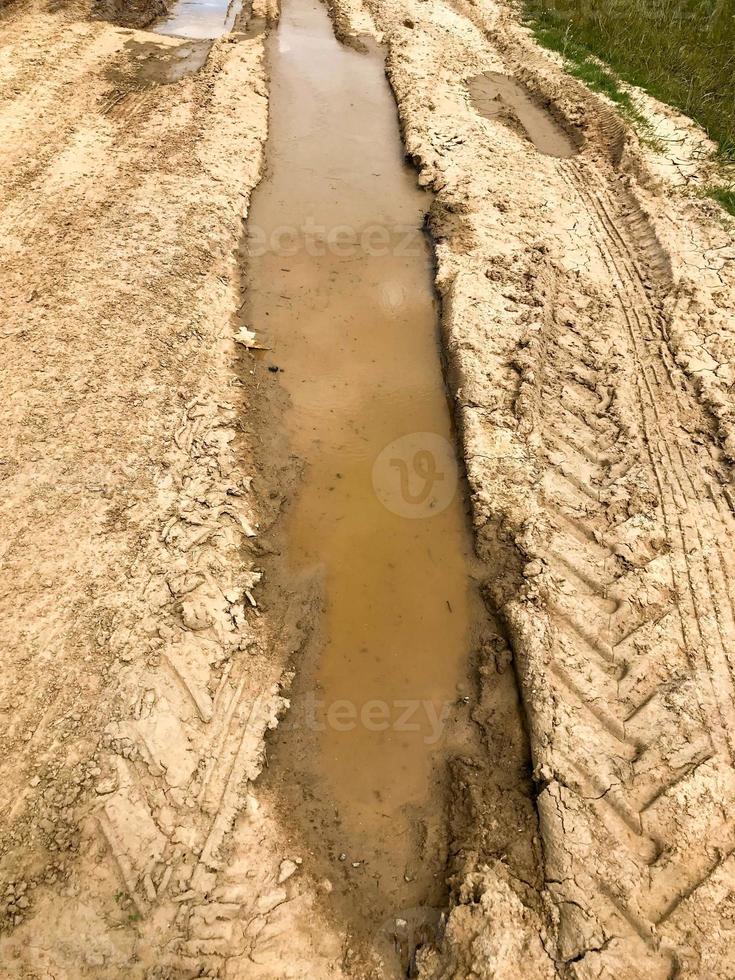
(589, 339)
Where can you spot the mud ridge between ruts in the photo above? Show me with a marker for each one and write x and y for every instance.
(596, 434)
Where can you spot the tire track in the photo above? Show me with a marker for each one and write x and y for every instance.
(640, 602)
(671, 483)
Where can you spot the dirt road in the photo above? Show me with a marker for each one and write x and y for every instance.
(587, 335)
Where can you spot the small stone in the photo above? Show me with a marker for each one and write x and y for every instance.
(533, 568)
(287, 869)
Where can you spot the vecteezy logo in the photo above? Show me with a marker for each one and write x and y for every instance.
(416, 476)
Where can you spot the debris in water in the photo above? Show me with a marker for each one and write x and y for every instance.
(249, 339)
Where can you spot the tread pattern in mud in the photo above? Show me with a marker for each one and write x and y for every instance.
(640, 783)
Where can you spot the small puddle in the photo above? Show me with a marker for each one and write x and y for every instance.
(154, 64)
(197, 24)
(339, 292)
(199, 19)
(496, 96)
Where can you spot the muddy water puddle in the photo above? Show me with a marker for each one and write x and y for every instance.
(339, 286)
(497, 96)
(190, 28)
(199, 19)
(155, 64)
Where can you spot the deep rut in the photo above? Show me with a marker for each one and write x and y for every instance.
(339, 294)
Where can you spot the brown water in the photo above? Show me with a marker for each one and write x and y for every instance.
(199, 19)
(495, 95)
(340, 294)
(197, 23)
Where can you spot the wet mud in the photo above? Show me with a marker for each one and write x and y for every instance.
(190, 27)
(150, 63)
(498, 97)
(588, 329)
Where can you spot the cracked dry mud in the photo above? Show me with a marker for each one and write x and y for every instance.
(588, 339)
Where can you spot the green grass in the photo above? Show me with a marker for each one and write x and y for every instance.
(680, 51)
(724, 196)
(584, 65)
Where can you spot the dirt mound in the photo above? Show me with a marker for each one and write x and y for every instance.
(129, 13)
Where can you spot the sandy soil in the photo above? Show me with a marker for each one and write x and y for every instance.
(589, 338)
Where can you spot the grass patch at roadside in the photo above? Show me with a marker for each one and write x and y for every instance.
(723, 196)
(680, 51)
(582, 63)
